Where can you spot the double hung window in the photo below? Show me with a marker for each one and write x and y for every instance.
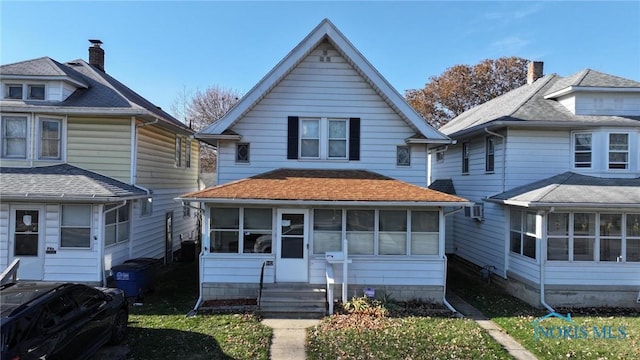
(465, 158)
(50, 136)
(324, 138)
(116, 227)
(618, 151)
(14, 137)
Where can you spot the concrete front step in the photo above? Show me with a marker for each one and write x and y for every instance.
(292, 300)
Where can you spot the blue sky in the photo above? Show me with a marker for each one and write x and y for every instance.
(164, 48)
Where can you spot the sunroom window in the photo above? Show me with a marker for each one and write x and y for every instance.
(327, 230)
(75, 226)
(392, 231)
(360, 231)
(575, 237)
(523, 233)
(252, 234)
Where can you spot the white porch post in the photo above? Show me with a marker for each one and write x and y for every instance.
(345, 276)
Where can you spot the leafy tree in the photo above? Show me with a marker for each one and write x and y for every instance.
(462, 87)
(200, 109)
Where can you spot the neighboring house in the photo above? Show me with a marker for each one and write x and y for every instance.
(554, 167)
(323, 149)
(89, 171)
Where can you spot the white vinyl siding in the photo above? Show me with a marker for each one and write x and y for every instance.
(333, 90)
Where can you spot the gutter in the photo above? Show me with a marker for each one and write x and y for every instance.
(534, 205)
(324, 202)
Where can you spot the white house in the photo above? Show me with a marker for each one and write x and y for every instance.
(554, 167)
(320, 150)
(89, 173)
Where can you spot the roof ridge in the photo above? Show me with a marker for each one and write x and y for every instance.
(543, 83)
(584, 75)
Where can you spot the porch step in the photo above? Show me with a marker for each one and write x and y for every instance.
(293, 301)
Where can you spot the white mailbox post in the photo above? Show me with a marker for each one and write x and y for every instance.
(340, 257)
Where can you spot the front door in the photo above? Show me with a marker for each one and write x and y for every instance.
(292, 246)
(27, 241)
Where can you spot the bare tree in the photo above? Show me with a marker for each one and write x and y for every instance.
(462, 87)
(200, 109)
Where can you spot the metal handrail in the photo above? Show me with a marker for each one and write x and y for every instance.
(264, 263)
(10, 274)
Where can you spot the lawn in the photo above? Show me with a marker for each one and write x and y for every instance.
(400, 335)
(159, 328)
(594, 334)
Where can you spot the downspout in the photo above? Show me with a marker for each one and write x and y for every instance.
(543, 257)
(204, 230)
(104, 219)
(504, 156)
(445, 260)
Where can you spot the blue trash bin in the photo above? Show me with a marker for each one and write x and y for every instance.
(132, 278)
(151, 267)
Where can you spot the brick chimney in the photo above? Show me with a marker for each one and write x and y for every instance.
(534, 71)
(96, 54)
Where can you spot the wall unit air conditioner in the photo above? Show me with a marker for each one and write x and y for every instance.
(475, 211)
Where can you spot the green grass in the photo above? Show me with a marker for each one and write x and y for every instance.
(517, 319)
(159, 328)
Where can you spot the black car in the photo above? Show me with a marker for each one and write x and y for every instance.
(43, 320)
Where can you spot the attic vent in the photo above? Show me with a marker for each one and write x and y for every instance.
(73, 63)
(325, 56)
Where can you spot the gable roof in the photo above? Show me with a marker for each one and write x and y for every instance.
(571, 189)
(326, 31)
(530, 106)
(63, 183)
(329, 187)
(98, 93)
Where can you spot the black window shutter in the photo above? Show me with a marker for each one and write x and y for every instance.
(292, 137)
(354, 139)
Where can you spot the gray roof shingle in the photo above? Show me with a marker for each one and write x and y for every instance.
(443, 185)
(101, 92)
(63, 183)
(527, 104)
(569, 189)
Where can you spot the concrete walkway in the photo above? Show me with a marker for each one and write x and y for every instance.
(510, 344)
(289, 334)
(288, 337)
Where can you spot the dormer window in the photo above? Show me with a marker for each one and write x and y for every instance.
(36, 92)
(618, 151)
(14, 91)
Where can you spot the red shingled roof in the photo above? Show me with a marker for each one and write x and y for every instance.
(323, 185)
